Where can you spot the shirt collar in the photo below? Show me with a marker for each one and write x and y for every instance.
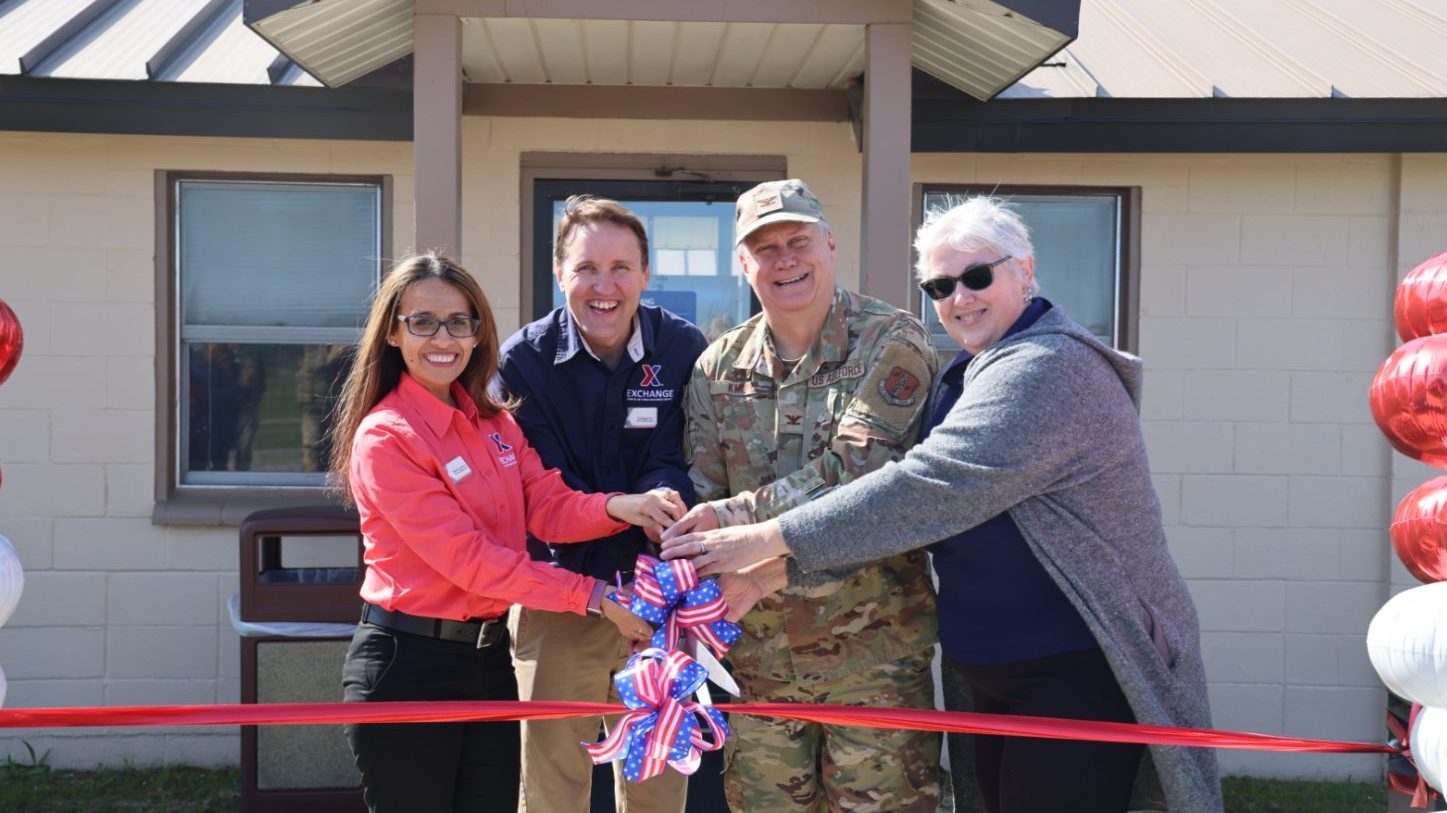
(830, 345)
(436, 414)
(571, 343)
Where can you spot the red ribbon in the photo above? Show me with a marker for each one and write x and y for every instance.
(1415, 787)
(959, 722)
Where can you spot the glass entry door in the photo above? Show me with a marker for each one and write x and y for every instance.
(694, 270)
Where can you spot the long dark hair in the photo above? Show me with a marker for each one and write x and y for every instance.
(377, 366)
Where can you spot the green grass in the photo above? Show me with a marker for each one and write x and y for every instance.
(1244, 795)
(32, 786)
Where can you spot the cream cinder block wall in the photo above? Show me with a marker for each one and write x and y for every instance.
(116, 611)
(1265, 306)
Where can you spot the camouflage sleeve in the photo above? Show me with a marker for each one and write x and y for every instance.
(878, 424)
(702, 445)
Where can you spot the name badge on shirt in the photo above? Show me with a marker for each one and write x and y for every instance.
(457, 469)
(641, 418)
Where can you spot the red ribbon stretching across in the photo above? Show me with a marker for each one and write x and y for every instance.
(959, 722)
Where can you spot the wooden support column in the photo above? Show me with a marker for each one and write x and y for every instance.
(884, 259)
(437, 131)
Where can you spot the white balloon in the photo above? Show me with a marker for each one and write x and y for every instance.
(1429, 744)
(1407, 644)
(12, 580)
(2, 687)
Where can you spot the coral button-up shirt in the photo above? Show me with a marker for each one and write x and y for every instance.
(446, 499)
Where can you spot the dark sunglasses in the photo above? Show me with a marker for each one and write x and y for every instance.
(424, 325)
(976, 277)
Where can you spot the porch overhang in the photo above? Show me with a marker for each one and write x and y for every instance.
(978, 46)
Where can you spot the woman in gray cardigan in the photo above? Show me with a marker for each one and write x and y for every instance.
(1058, 596)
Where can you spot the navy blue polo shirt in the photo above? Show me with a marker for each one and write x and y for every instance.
(1000, 604)
(605, 430)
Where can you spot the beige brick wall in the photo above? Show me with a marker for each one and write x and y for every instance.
(1265, 306)
(116, 611)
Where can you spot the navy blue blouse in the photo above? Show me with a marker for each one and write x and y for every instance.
(996, 602)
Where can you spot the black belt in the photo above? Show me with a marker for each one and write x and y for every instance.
(483, 633)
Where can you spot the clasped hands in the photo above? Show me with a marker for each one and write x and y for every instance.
(653, 511)
(745, 558)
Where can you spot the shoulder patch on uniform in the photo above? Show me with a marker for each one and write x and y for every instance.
(899, 387)
(853, 369)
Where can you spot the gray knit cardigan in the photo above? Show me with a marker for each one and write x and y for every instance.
(1048, 430)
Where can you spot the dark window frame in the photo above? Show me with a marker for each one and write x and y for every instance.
(1127, 297)
(228, 505)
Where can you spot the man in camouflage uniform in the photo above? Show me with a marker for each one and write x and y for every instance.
(822, 387)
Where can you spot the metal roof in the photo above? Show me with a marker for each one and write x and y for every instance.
(338, 40)
(978, 46)
(159, 40)
(1245, 49)
(1125, 49)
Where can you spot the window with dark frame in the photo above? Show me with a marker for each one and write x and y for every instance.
(272, 283)
(1085, 242)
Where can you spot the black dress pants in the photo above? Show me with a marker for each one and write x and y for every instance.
(431, 767)
(1031, 775)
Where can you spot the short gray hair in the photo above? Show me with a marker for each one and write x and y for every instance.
(967, 224)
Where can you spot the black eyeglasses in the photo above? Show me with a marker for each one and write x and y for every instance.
(976, 277)
(425, 325)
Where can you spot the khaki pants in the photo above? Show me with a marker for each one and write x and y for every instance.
(563, 656)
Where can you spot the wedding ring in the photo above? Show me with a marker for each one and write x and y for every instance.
(702, 547)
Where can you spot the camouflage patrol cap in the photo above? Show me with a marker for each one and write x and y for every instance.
(775, 202)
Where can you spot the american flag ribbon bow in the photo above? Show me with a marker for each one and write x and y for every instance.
(671, 596)
(663, 726)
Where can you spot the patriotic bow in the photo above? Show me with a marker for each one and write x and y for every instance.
(663, 726)
(671, 597)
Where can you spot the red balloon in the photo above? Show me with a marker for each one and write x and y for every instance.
(12, 340)
(1421, 306)
(1419, 531)
(1408, 398)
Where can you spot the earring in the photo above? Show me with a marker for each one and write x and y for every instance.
(1028, 296)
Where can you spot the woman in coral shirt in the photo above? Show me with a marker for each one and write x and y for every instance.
(447, 488)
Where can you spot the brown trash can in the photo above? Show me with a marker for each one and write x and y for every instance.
(296, 566)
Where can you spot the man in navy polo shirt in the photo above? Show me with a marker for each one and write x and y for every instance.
(601, 384)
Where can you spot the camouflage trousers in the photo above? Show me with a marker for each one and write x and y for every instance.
(785, 765)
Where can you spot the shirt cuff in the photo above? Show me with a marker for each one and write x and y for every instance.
(733, 511)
